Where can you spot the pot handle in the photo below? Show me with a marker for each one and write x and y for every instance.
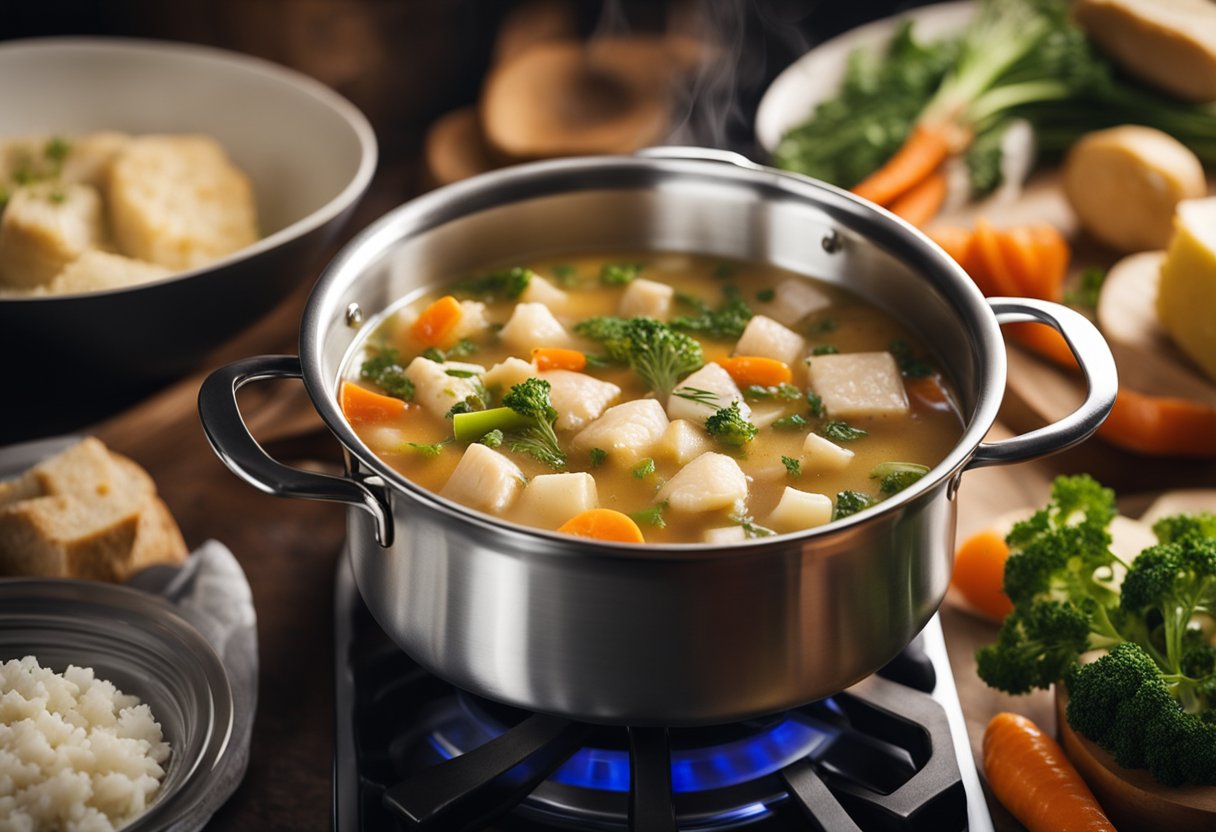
(235, 446)
(1096, 362)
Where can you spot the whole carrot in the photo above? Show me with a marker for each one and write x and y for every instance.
(1034, 780)
(923, 152)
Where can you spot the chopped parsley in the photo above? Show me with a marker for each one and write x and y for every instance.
(643, 469)
(385, 371)
(823, 327)
(751, 528)
(815, 404)
(619, 274)
(851, 502)
(428, 450)
(727, 321)
(652, 516)
(910, 365)
(1086, 295)
(825, 349)
(598, 455)
(566, 275)
(842, 431)
(722, 271)
(793, 467)
(766, 295)
(782, 391)
(792, 422)
(729, 426)
(492, 439)
(434, 354)
(894, 477)
(507, 284)
(455, 372)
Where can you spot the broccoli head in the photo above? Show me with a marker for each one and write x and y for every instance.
(537, 439)
(729, 427)
(1037, 644)
(1181, 527)
(652, 349)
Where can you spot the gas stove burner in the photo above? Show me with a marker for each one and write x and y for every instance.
(415, 753)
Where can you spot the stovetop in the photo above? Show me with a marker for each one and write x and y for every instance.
(890, 753)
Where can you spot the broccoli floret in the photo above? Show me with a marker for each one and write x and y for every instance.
(727, 321)
(729, 427)
(507, 284)
(1184, 526)
(1036, 646)
(619, 274)
(530, 399)
(653, 350)
(894, 477)
(851, 502)
(385, 371)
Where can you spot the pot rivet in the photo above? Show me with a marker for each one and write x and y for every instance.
(832, 242)
(354, 316)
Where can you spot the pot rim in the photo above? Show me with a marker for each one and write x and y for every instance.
(551, 178)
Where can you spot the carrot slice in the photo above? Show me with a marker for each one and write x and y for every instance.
(988, 252)
(604, 524)
(1161, 426)
(361, 405)
(756, 369)
(1053, 255)
(435, 325)
(921, 154)
(952, 239)
(1030, 774)
(1022, 261)
(556, 358)
(979, 573)
(922, 201)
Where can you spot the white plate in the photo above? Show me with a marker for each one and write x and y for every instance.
(817, 75)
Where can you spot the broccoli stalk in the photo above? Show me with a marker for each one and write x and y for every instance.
(653, 350)
(525, 422)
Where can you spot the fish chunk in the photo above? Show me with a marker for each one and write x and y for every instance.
(577, 397)
(472, 321)
(628, 432)
(484, 479)
(764, 336)
(545, 293)
(532, 325)
(710, 482)
(793, 299)
(683, 441)
(506, 374)
(821, 454)
(859, 384)
(435, 389)
(714, 380)
(798, 510)
(646, 298)
(551, 499)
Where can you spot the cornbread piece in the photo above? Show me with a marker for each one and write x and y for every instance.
(44, 227)
(859, 384)
(97, 270)
(83, 159)
(1186, 296)
(178, 201)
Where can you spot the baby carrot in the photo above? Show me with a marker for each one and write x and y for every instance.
(991, 261)
(979, 572)
(1031, 776)
(435, 325)
(362, 405)
(604, 524)
(953, 239)
(921, 154)
(747, 370)
(556, 358)
(1161, 426)
(922, 201)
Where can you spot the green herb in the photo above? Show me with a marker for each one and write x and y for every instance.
(385, 371)
(57, 196)
(461, 349)
(894, 477)
(643, 468)
(729, 427)
(793, 467)
(815, 404)
(657, 353)
(652, 516)
(434, 354)
(598, 455)
(788, 392)
(984, 159)
(792, 422)
(493, 439)
(823, 327)
(428, 450)
(565, 275)
(599, 362)
(851, 502)
(1086, 295)
(751, 528)
(455, 372)
(507, 284)
(707, 398)
(727, 321)
(619, 274)
(909, 365)
(766, 295)
(825, 349)
(57, 150)
(842, 431)
(722, 271)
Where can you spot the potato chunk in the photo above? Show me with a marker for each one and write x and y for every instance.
(646, 298)
(798, 510)
(97, 270)
(545, 293)
(711, 379)
(472, 321)
(551, 499)
(820, 454)
(859, 384)
(178, 201)
(725, 536)
(793, 299)
(764, 336)
(628, 432)
(577, 397)
(45, 227)
(710, 482)
(532, 325)
(484, 479)
(683, 441)
(506, 374)
(437, 391)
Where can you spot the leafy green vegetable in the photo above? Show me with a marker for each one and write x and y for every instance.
(1151, 700)
(787, 392)
(793, 467)
(461, 349)
(729, 427)
(385, 371)
(894, 477)
(842, 431)
(653, 350)
(851, 502)
(643, 469)
(910, 366)
(696, 394)
(815, 404)
(794, 421)
(823, 327)
(825, 349)
(598, 455)
(566, 275)
(619, 274)
(429, 450)
(722, 271)
(727, 321)
(751, 528)
(652, 516)
(493, 439)
(766, 295)
(1086, 295)
(530, 399)
(507, 284)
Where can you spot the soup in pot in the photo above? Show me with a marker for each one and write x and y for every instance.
(646, 397)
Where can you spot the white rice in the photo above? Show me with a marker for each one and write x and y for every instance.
(76, 753)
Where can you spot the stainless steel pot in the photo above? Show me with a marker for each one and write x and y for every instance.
(671, 634)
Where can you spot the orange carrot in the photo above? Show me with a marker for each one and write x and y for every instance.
(604, 524)
(988, 254)
(979, 572)
(1054, 255)
(361, 405)
(435, 325)
(1021, 257)
(1161, 426)
(927, 393)
(922, 201)
(921, 154)
(556, 358)
(1031, 776)
(952, 239)
(756, 369)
